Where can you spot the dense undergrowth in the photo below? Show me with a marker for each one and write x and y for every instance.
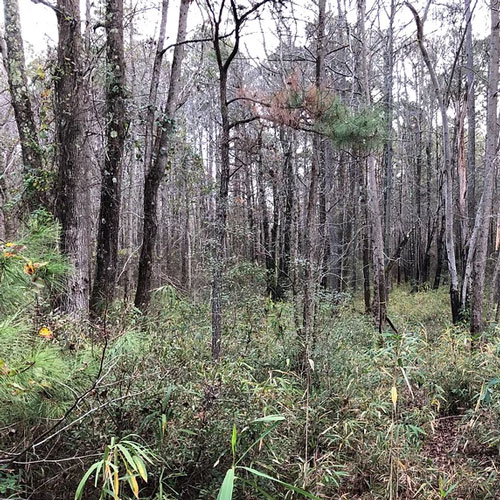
(413, 414)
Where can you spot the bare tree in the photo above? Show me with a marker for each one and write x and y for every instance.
(238, 15)
(482, 222)
(312, 198)
(442, 98)
(158, 165)
(373, 191)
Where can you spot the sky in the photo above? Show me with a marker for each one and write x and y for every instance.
(40, 28)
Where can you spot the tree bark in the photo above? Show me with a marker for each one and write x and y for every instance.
(379, 283)
(483, 215)
(72, 204)
(13, 56)
(471, 112)
(104, 287)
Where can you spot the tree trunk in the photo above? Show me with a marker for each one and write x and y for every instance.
(309, 281)
(379, 287)
(373, 193)
(471, 113)
(274, 276)
(221, 206)
(287, 142)
(104, 287)
(72, 204)
(153, 89)
(13, 56)
(158, 166)
(448, 183)
(439, 256)
(388, 146)
(483, 215)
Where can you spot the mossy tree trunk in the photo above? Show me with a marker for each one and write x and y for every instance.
(14, 62)
(103, 290)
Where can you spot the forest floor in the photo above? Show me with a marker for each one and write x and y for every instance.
(414, 414)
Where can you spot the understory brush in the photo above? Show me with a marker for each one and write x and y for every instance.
(138, 402)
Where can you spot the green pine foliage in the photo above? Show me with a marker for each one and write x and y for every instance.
(38, 376)
(31, 268)
(361, 130)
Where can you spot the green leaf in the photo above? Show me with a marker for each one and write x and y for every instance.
(141, 467)
(233, 439)
(166, 399)
(127, 457)
(189, 432)
(98, 472)
(81, 485)
(260, 438)
(106, 453)
(226, 490)
(270, 418)
(163, 424)
(286, 485)
(140, 450)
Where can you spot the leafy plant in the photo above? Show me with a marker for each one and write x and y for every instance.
(232, 474)
(123, 462)
(446, 487)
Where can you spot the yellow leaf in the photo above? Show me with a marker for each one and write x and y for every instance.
(141, 468)
(29, 268)
(435, 402)
(17, 388)
(394, 395)
(135, 486)
(46, 332)
(115, 485)
(4, 369)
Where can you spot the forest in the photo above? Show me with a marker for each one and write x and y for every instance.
(249, 249)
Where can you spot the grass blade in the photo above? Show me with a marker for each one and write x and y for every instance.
(226, 490)
(81, 485)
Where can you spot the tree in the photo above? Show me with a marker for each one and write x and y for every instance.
(72, 202)
(482, 222)
(13, 57)
(373, 191)
(312, 197)
(238, 16)
(158, 165)
(104, 285)
(471, 111)
(442, 98)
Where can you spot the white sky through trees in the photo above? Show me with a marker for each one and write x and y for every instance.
(40, 28)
